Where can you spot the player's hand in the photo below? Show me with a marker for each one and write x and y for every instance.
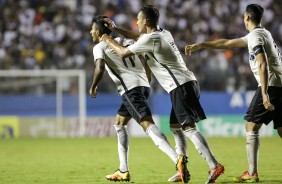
(266, 103)
(111, 24)
(191, 48)
(93, 92)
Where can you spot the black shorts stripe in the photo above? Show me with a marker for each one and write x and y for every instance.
(169, 71)
(135, 103)
(132, 106)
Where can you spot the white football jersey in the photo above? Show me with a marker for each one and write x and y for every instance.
(261, 36)
(127, 73)
(163, 58)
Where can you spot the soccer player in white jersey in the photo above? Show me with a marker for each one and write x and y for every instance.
(266, 64)
(166, 63)
(133, 86)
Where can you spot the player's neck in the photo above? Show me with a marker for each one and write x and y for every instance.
(253, 26)
(151, 29)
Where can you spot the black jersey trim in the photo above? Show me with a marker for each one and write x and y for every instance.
(117, 76)
(169, 71)
(259, 49)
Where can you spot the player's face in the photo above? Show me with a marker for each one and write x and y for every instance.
(94, 34)
(246, 20)
(141, 22)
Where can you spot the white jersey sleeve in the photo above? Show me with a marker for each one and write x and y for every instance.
(98, 52)
(261, 36)
(163, 58)
(127, 73)
(143, 44)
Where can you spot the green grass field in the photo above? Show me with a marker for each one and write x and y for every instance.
(88, 160)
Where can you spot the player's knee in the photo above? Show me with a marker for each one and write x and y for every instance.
(189, 126)
(252, 127)
(121, 120)
(145, 124)
(174, 125)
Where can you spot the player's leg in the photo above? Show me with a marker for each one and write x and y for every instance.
(121, 121)
(123, 141)
(252, 146)
(158, 137)
(202, 146)
(256, 116)
(252, 149)
(178, 135)
(188, 110)
(182, 173)
(136, 103)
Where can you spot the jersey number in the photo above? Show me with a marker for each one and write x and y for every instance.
(128, 59)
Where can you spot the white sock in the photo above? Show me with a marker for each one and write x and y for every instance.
(123, 146)
(180, 141)
(252, 148)
(161, 142)
(202, 146)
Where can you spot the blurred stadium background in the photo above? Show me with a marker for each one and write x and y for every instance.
(46, 65)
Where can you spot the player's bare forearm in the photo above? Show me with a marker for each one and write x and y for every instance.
(215, 44)
(263, 73)
(96, 79)
(127, 33)
(97, 76)
(120, 50)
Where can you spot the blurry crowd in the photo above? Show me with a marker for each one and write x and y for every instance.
(54, 34)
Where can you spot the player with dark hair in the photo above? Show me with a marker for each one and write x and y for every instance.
(266, 64)
(133, 86)
(166, 63)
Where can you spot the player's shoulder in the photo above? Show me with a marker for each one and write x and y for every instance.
(124, 41)
(101, 45)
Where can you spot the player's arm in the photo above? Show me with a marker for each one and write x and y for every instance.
(146, 67)
(127, 33)
(124, 32)
(120, 50)
(97, 76)
(261, 58)
(216, 44)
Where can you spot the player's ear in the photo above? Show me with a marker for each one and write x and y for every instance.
(247, 17)
(97, 32)
(145, 22)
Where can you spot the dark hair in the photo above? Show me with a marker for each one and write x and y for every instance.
(256, 12)
(100, 24)
(151, 14)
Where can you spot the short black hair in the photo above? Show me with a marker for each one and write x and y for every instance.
(151, 14)
(101, 24)
(256, 12)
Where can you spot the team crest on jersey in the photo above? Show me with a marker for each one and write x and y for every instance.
(252, 56)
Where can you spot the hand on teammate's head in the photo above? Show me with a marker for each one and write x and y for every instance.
(111, 24)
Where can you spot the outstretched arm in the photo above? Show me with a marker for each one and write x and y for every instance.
(97, 76)
(120, 50)
(124, 32)
(216, 44)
